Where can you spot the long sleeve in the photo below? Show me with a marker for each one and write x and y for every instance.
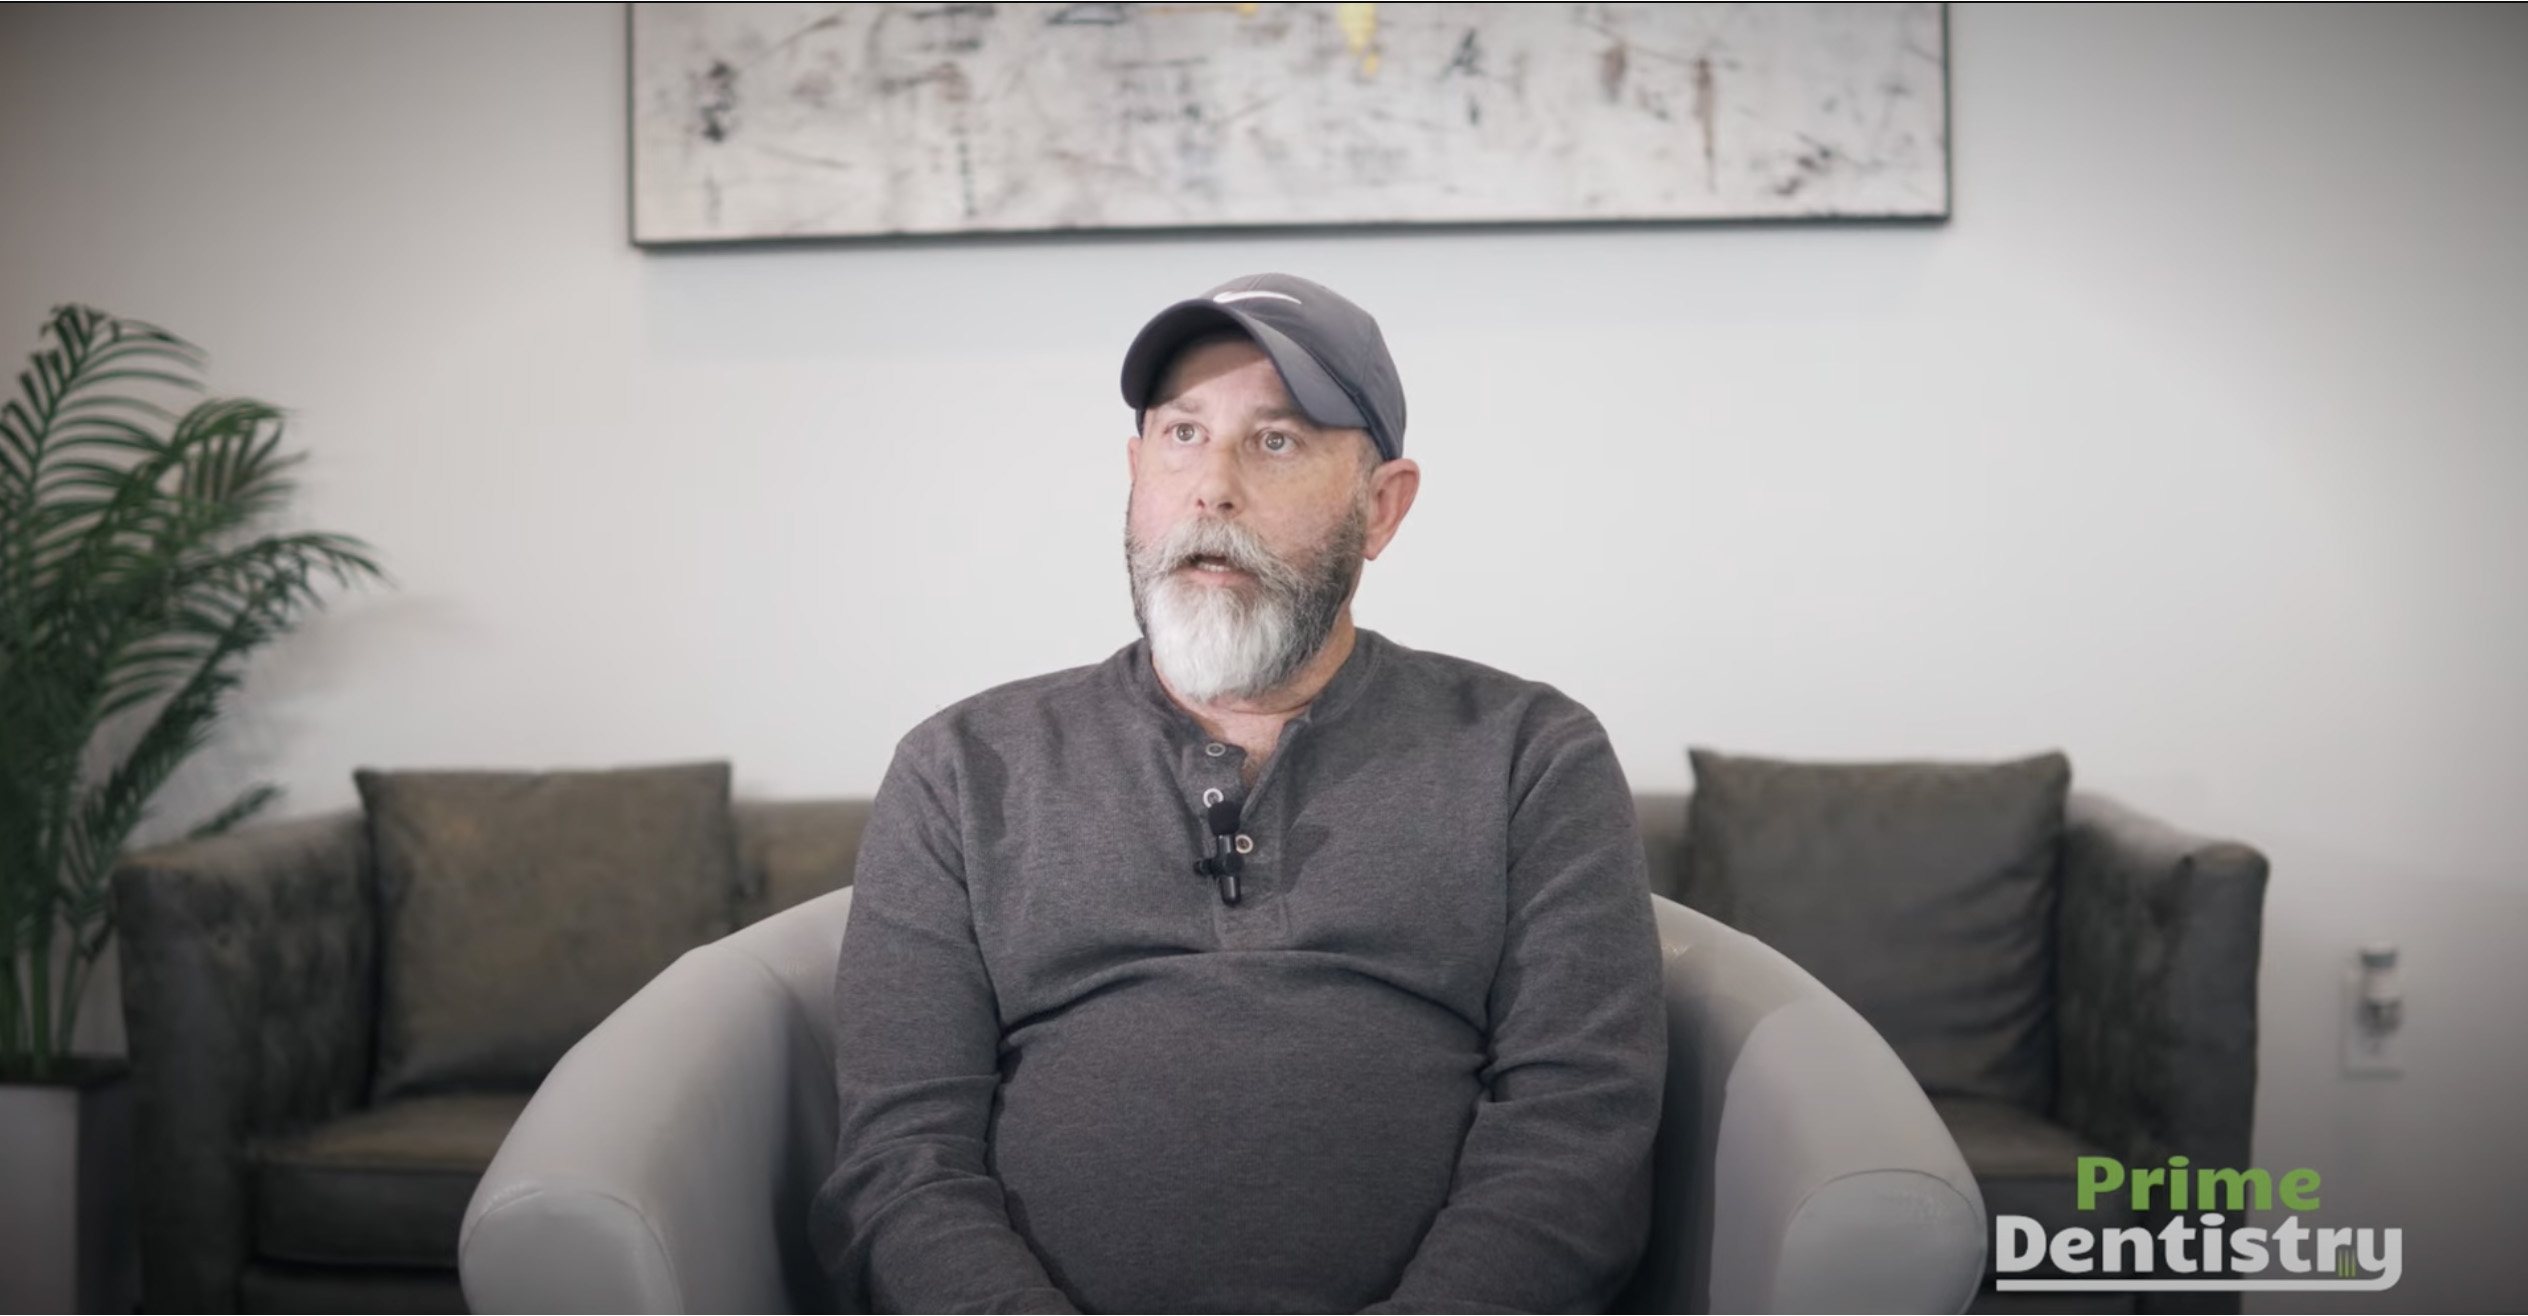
(912, 1218)
(1549, 1208)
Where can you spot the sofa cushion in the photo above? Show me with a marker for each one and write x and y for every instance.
(516, 910)
(278, 1288)
(384, 1186)
(2024, 1165)
(1921, 893)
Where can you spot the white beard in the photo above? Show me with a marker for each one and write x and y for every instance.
(1216, 642)
(1239, 639)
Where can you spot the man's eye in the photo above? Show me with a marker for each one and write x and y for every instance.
(1183, 432)
(1276, 441)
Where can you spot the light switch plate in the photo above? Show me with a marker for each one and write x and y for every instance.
(2367, 1054)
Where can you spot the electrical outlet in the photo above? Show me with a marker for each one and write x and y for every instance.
(2368, 1052)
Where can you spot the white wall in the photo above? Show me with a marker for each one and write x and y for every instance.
(2192, 445)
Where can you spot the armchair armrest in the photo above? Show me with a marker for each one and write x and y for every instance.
(1800, 1166)
(2156, 999)
(247, 1004)
(667, 1163)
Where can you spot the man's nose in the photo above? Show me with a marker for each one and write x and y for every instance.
(1217, 486)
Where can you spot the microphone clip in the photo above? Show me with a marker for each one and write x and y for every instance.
(1220, 860)
(1222, 865)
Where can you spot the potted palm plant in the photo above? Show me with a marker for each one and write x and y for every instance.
(138, 570)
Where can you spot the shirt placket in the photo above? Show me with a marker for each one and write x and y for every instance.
(1258, 919)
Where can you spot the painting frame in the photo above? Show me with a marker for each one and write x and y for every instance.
(1933, 169)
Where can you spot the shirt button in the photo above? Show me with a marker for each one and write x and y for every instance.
(1215, 749)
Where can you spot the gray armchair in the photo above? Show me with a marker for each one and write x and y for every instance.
(668, 1162)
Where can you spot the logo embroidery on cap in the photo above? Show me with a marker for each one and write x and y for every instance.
(1259, 292)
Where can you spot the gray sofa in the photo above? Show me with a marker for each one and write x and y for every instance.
(250, 1000)
(2160, 933)
(249, 995)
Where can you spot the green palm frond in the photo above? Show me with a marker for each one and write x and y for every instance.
(135, 579)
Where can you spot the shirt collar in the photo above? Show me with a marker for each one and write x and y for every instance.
(1132, 665)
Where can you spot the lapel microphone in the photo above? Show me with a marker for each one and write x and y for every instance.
(1220, 853)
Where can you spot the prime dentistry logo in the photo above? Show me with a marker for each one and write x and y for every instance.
(2204, 1246)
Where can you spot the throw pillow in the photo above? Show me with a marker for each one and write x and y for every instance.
(1922, 893)
(516, 910)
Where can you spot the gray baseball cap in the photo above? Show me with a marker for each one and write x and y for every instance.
(1329, 352)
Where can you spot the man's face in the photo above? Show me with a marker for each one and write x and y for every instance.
(1245, 528)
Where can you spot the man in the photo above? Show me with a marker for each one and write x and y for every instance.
(1268, 965)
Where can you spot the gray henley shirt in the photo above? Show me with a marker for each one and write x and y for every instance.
(1417, 1067)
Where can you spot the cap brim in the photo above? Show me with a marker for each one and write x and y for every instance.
(1312, 388)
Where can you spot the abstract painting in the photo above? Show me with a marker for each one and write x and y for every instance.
(759, 121)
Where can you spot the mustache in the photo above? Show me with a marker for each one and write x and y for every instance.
(1225, 540)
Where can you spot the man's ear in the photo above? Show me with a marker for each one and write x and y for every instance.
(1391, 496)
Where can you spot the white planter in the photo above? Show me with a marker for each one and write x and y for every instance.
(65, 1184)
